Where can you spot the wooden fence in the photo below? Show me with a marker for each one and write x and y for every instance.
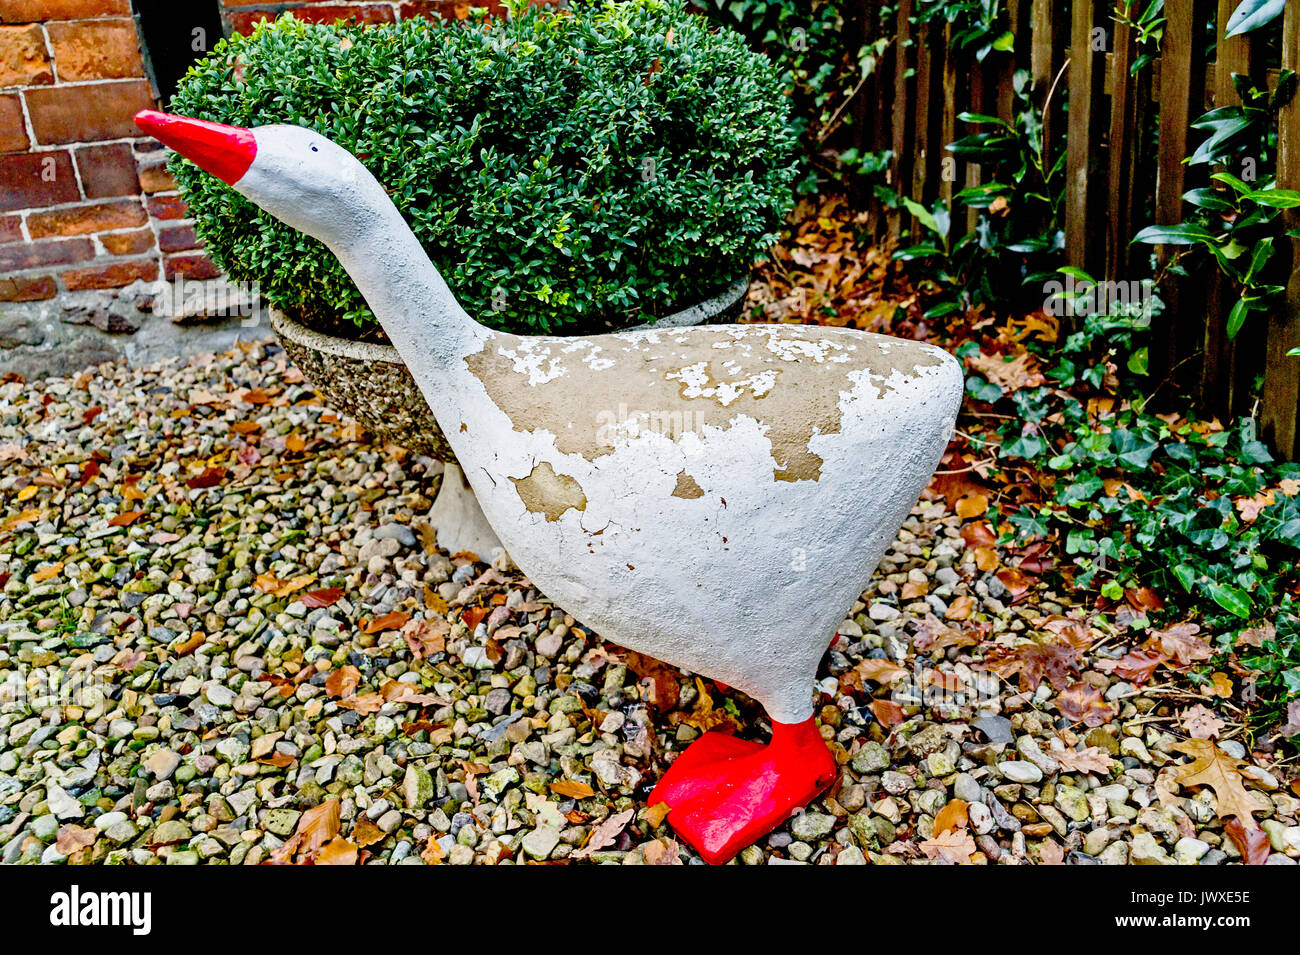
(1114, 166)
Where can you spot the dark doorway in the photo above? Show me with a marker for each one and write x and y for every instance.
(177, 33)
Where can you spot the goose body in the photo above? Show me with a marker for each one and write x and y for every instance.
(715, 497)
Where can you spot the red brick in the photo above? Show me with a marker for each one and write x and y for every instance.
(128, 243)
(167, 207)
(20, 289)
(96, 50)
(24, 60)
(11, 229)
(88, 113)
(193, 265)
(32, 11)
(33, 180)
(36, 255)
(114, 275)
(155, 176)
(83, 220)
(177, 238)
(243, 21)
(108, 171)
(13, 128)
(453, 9)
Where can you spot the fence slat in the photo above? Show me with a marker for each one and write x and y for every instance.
(1175, 333)
(1230, 364)
(1281, 401)
(1047, 41)
(1083, 147)
(904, 111)
(1124, 133)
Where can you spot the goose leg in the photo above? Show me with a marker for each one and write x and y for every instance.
(724, 793)
(459, 520)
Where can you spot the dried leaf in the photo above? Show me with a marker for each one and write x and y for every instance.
(889, 713)
(1213, 767)
(338, 851)
(572, 789)
(1094, 759)
(1201, 723)
(952, 816)
(605, 833)
(73, 839)
(322, 598)
(343, 681)
(1084, 703)
(955, 847)
(126, 519)
(394, 620)
(1251, 842)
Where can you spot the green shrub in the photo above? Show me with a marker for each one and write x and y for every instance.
(563, 169)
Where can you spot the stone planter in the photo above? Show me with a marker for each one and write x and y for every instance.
(370, 383)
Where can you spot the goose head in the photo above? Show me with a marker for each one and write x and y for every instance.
(294, 173)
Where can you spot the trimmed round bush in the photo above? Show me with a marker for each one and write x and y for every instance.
(565, 170)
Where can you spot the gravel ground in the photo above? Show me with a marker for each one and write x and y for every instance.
(226, 637)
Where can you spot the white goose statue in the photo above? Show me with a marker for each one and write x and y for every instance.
(716, 497)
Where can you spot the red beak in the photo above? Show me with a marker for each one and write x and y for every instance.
(224, 151)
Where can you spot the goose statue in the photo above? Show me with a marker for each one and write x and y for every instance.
(716, 497)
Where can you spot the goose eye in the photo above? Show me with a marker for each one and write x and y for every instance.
(315, 150)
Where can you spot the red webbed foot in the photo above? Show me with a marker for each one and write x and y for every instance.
(724, 793)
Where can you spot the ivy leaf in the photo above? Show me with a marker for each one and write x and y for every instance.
(1232, 599)
(1253, 14)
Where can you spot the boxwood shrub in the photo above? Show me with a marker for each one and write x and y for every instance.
(565, 169)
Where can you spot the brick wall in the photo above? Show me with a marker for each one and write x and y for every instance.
(84, 202)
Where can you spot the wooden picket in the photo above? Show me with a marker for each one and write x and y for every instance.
(1080, 64)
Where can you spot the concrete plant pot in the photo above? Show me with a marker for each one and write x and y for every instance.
(371, 384)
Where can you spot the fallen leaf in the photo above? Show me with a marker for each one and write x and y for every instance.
(394, 620)
(316, 827)
(73, 839)
(1094, 759)
(655, 815)
(883, 672)
(1212, 767)
(1181, 643)
(473, 616)
(343, 681)
(44, 574)
(322, 598)
(662, 852)
(972, 505)
(126, 519)
(889, 713)
(1051, 853)
(208, 477)
(433, 854)
(1201, 723)
(1083, 703)
(605, 833)
(426, 637)
(572, 789)
(338, 851)
(364, 703)
(952, 816)
(1251, 842)
(955, 847)
(1249, 507)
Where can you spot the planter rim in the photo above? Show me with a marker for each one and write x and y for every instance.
(291, 328)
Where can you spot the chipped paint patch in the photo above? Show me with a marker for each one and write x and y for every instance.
(545, 492)
(788, 379)
(687, 488)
